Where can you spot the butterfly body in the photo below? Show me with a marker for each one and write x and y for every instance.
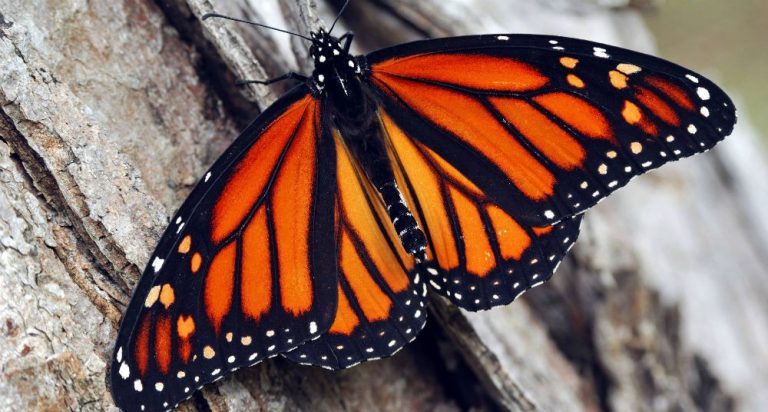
(462, 165)
(339, 78)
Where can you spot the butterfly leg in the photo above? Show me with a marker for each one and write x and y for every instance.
(286, 76)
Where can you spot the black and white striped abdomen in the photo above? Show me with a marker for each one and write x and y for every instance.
(411, 236)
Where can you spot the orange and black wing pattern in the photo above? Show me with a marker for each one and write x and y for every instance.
(547, 126)
(502, 141)
(245, 271)
(381, 297)
(483, 151)
(479, 255)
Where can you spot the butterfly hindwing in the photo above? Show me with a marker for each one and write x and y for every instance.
(479, 255)
(381, 296)
(246, 269)
(547, 126)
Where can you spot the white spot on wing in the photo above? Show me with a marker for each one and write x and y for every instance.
(692, 78)
(207, 176)
(125, 371)
(137, 385)
(703, 93)
(600, 52)
(312, 327)
(157, 263)
(504, 38)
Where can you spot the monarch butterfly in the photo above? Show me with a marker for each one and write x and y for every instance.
(460, 165)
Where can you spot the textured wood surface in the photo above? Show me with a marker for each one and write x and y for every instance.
(110, 111)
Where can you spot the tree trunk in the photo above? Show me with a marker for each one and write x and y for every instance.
(111, 110)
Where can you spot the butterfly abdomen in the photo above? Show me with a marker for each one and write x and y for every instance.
(411, 236)
(373, 160)
(363, 135)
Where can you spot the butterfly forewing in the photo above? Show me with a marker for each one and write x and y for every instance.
(245, 271)
(548, 126)
(503, 141)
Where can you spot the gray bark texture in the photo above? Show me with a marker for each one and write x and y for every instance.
(111, 110)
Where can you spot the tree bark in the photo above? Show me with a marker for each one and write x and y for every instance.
(110, 112)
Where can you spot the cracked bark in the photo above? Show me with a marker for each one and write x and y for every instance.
(110, 111)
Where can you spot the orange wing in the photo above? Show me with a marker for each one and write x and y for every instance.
(381, 298)
(479, 255)
(245, 271)
(546, 134)
(502, 141)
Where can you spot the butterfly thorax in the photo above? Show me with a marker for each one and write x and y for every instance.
(352, 110)
(335, 69)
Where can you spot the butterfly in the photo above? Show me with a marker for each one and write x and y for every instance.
(458, 165)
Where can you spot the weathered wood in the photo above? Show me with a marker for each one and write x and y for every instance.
(110, 111)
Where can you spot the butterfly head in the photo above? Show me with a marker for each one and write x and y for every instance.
(331, 58)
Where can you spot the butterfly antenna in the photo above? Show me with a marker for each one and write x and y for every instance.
(346, 3)
(252, 23)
